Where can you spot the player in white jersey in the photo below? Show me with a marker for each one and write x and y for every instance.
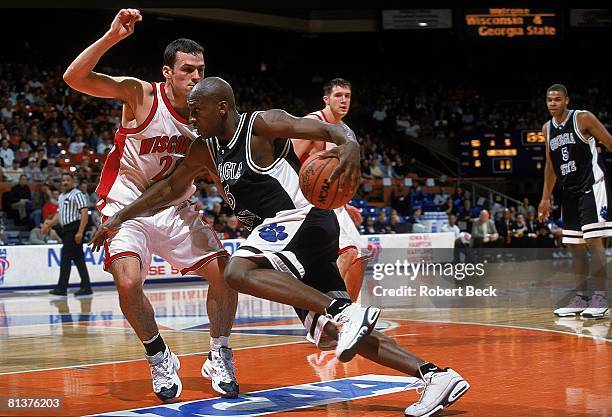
(153, 138)
(351, 257)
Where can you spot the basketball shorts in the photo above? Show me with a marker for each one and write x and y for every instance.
(304, 243)
(349, 235)
(178, 234)
(587, 215)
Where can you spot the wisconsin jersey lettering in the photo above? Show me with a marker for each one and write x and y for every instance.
(143, 155)
(574, 158)
(254, 192)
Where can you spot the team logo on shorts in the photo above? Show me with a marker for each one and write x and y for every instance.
(604, 212)
(273, 233)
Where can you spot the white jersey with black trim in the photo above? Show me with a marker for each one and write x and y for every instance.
(145, 154)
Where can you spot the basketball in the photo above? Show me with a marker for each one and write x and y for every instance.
(316, 186)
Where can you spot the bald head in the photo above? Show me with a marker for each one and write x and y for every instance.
(214, 88)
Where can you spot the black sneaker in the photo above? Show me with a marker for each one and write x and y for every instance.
(59, 292)
(83, 291)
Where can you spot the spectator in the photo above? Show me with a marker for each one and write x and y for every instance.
(369, 228)
(13, 173)
(504, 227)
(401, 201)
(32, 171)
(6, 154)
(51, 206)
(77, 145)
(232, 229)
(3, 239)
(212, 198)
(484, 233)
(520, 232)
(44, 234)
(20, 198)
(23, 153)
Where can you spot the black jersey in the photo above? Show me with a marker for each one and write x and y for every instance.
(574, 157)
(256, 193)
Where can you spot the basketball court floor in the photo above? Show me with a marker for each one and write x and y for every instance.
(520, 360)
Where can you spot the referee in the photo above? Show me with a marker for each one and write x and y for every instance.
(72, 217)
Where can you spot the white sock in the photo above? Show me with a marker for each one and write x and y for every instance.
(217, 343)
(581, 293)
(602, 293)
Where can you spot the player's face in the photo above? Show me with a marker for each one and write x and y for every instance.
(339, 100)
(203, 116)
(187, 71)
(556, 102)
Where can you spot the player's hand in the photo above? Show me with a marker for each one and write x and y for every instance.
(106, 230)
(123, 24)
(544, 209)
(78, 238)
(349, 167)
(354, 214)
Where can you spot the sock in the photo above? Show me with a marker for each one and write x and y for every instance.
(602, 293)
(425, 368)
(336, 306)
(582, 294)
(155, 345)
(217, 343)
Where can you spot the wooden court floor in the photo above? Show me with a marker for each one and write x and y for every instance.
(520, 361)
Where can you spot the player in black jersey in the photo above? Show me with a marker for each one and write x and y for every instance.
(572, 159)
(290, 255)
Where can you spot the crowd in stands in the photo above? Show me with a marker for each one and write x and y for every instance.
(46, 128)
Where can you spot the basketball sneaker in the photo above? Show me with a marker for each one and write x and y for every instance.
(442, 388)
(166, 383)
(219, 368)
(355, 323)
(576, 306)
(597, 308)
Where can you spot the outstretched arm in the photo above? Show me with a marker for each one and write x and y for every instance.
(80, 75)
(304, 148)
(590, 123)
(274, 124)
(162, 193)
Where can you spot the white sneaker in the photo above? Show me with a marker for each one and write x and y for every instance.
(355, 323)
(166, 383)
(597, 308)
(440, 391)
(219, 368)
(576, 306)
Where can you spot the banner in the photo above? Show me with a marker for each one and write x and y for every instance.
(37, 266)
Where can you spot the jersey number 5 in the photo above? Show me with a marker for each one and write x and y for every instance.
(166, 164)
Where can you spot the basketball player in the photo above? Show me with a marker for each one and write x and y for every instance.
(154, 135)
(290, 255)
(351, 263)
(571, 157)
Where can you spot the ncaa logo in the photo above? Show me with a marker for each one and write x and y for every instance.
(4, 264)
(604, 212)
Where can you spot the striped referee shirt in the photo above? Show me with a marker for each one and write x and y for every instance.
(70, 205)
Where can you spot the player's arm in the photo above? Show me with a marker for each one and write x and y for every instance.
(304, 148)
(274, 124)
(549, 180)
(591, 124)
(80, 75)
(161, 193)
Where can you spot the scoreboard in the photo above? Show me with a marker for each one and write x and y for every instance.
(493, 154)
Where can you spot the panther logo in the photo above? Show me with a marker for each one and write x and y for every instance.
(273, 233)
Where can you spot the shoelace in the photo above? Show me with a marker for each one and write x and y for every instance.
(421, 390)
(161, 373)
(225, 367)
